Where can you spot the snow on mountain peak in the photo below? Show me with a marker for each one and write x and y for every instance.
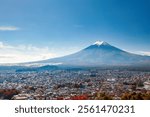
(98, 43)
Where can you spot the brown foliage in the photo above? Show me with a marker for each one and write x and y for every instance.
(102, 96)
(8, 93)
(135, 96)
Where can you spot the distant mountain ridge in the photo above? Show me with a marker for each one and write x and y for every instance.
(98, 54)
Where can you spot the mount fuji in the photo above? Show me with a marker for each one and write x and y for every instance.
(98, 54)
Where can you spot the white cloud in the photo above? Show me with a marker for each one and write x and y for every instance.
(23, 53)
(8, 28)
(145, 53)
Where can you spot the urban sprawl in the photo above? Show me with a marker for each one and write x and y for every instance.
(91, 84)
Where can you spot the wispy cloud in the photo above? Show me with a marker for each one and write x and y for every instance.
(8, 28)
(23, 53)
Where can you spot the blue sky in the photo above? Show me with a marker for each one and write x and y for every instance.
(52, 28)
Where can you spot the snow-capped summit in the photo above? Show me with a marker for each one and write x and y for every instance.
(98, 43)
(98, 54)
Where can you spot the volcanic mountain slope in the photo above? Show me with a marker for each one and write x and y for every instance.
(100, 53)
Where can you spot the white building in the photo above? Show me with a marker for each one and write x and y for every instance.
(147, 85)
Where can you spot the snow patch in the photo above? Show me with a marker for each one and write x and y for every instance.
(98, 43)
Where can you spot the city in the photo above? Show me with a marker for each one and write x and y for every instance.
(85, 84)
